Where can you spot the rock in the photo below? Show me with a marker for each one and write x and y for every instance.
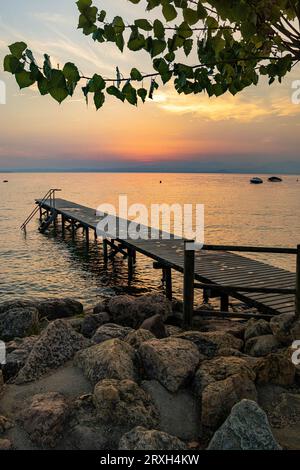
(257, 328)
(230, 352)
(220, 368)
(45, 417)
(144, 439)
(171, 361)
(210, 343)
(246, 428)
(281, 326)
(17, 354)
(232, 327)
(19, 322)
(75, 323)
(113, 359)
(219, 397)
(101, 307)
(5, 424)
(57, 344)
(124, 403)
(180, 413)
(136, 337)
(48, 308)
(156, 325)
(276, 368)
(262, 345)
(92, 322)
(59, 308)
(288, 408)
(110, 331)
(5, 444)
(131, 311)
(173, 330)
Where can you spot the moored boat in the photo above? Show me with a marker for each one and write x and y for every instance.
(256, 180)
(275, 179)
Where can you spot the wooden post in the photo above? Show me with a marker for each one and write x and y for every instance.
(224, 303)
(87, 237)
(168, 279)
(41, 214)
(73, 229)
(130, 263)
(188, 285)
(63, 222)
(298, 283)
(105, 252)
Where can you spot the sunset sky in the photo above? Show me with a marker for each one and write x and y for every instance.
(258, 129)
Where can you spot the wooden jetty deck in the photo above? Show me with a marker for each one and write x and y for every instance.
(214, 269)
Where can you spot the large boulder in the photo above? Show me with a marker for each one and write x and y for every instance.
(124, 403)
(101, 306)
(171, 361)
(282, 327)
(132, 311)
(219, 397)
(262, 345)
(156, 325)
(17, 354)
(45, 417)
(110, 331)
(144, 439)
(6, 444)
(90, 323)
(18, 323)
(53, 309)
(246, 428)
(5, 424)
(57, 344)
(48, 308)
(136, 337)
(220, 368)
(257, 328)
(180, 412)
(210, 343)
(276, 368)
(113, 359)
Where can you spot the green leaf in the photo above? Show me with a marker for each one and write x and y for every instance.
(99, 99)
(83, 4)
(24, 79)
(12, 65)
(130, 93)
(143, 24)
(135, 74)
(17, 49)
(142, 93)
(114, 91)
(59, 94)
(159, 29)
(190, 16)
(71, 73)
(96, 84)
(169, 12)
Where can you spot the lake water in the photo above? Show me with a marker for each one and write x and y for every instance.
(47, 266)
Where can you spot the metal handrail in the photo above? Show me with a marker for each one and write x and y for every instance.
(49, 195)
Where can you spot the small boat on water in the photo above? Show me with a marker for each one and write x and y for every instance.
(5, 181)
(275, 179)
(256, 180)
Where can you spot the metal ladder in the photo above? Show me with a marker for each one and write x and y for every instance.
(49, 195)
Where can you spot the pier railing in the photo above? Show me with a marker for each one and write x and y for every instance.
(226, 290)
(50, 195)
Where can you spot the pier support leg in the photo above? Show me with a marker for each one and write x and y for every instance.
(73, 230)
(105, 250)
(168, 281)
(298, 283)
(205, 296)
(87, 237)
(224, 303)
(188, 286)
(41, 214)
(63, 225)
(130, 264)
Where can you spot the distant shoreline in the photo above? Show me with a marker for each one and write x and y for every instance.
(128, 171)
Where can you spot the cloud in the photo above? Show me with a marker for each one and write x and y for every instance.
(234, 108)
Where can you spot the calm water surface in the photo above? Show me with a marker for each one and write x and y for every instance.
(47, 266)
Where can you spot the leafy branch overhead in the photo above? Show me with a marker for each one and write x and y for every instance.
(235, 42)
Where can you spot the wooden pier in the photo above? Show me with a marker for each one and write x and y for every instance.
(214, 269)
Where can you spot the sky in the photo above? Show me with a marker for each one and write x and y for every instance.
(255, 130)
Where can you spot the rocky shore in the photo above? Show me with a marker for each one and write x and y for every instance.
(127, 376)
